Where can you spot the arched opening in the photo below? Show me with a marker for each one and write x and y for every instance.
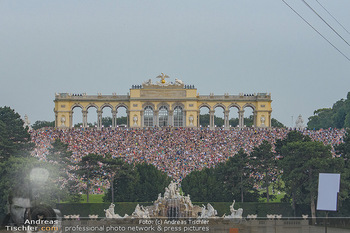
(204, 118)
(107, 118)
(148, 116)
(122, 116)
(163, 116)
(219, 112)
(234, 116)
(178, 117)
(248, 116)
(92, 116)
(77, 116)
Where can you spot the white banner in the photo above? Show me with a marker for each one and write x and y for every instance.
(328, 188)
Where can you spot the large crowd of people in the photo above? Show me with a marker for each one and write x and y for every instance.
(176, 151)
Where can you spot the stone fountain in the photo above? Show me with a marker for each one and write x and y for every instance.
(174, 205)
(171, 205)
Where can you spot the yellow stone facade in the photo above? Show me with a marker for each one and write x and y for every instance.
(162, 104)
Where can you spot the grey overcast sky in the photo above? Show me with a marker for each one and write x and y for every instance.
(221, 46)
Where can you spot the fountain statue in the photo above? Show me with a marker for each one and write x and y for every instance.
(110, 212)
(140, 212)
(234, 213)
(208, 212)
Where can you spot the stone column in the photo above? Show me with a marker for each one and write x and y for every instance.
(70, 119)
(211, 119)
(114, 118)
(198, 118)
(226, 119)
(156, 118)
(99, 119)
(255, 117)
(185, 118)
(56, 119)
(128, 118)
(142, 119)
(171, 118)
(241, 118)
(84, 113)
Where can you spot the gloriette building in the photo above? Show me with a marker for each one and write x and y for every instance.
(162, 104)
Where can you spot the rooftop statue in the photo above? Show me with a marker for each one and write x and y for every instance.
(163, 82)
(162, 77)
(147, 83)
(178, 82)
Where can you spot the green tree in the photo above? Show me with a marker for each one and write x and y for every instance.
(14, 139)
(234, 122)
(143, 182)
(114, 167)
(264, 163)
(59, 154)
(338, 116)
(241, 162)
(302, 161)
(124, 186)
(18, 169)
(218, 121)
(235, 177)
(347, 109)
(42, 124)
(203, 186)
(289, 188)
(292, 136)
(14, 154)
(88, 125)
(122, 120)
(226, 182)
(89, 168)
(343, 150)
(248, 121)
(276, 124)
(59, 158)
(18, 176)
(14, 177)
(204, 120)
(151, 182)
(322, 118)
(5, 145)
(107, 121)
